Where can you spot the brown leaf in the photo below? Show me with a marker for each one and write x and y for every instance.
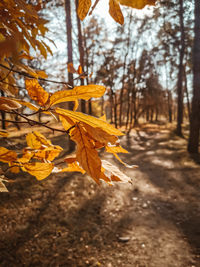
(139, 4)
(86, 154)
(39, 170)
(114, 173)
(36, 92)
(83, 8)
(115, 11)
(70, 68)
(100, 135)
(7, 155)
(7, 103)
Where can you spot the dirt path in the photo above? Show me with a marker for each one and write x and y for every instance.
(66, 220)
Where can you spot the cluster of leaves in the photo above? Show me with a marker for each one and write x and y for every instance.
(89, 133)
(21, 28)
(114, 7)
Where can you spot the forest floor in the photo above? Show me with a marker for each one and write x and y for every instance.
(67, 220)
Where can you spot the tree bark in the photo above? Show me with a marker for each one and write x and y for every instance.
(180, 73)
(69, 55)
(193, 143)
(81, 53)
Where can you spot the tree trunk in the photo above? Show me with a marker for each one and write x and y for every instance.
(187, 94)
(193, 142)
(169, 103)
(69, 55)
(81, 53)
(180, 73)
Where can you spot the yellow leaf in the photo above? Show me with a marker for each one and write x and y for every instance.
(41, 74)
(4, 133)
(7, 155)
(139, 4)
(36, 92)
(14, 167)
(49, 153)
(119, 149)
(116, 149)
(66, 122)
(27, 104)
(83, 8)
(100, 135)
(8, 104)
(86, 155)
(115, 11)
(92, 121)
(73, 167)
(35, 140)
(114, 173)
(39, 170)
(79, 92)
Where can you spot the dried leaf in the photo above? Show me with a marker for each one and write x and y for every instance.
(39, 170)
(86, 154)
(35, 140)
(36, 92)
(7, 155)
(79, 92)
(2, 186)
(70, 68)
(114, 173)
(115, 11)
(139, 4)
(73, 167)
(100, 135)
(92, 121)
(7, 103)
(83, 8)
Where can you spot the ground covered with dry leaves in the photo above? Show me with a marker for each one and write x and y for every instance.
(67, 220)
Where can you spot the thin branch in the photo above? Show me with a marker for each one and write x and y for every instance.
(32, 77)
(93, 7)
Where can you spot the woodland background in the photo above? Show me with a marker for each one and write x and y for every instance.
(150, 66)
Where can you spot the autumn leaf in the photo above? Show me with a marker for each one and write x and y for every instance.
(79, 92)
(100, 135)
(115, 11)
(114, 173)
(73, 167)
(38, 169)
(83, 8)
(70, 68)
(118, 149)
(27, 104)
(35, 140)
(49, 153)
(2, 186)
(7, 103)
(36, 92)
(139, 4)
(86, 154)
(7, 155)
(92, 121)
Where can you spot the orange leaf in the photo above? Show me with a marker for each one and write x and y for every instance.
(36, 92)
(7, 155)
(8, 103)
(35, 140)
(79, 92)
(139, 4)
(86, 155)
(83, 8)
(100, 135)
(115, 11)
(70, 68)
(73, 167)
(39, 170)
